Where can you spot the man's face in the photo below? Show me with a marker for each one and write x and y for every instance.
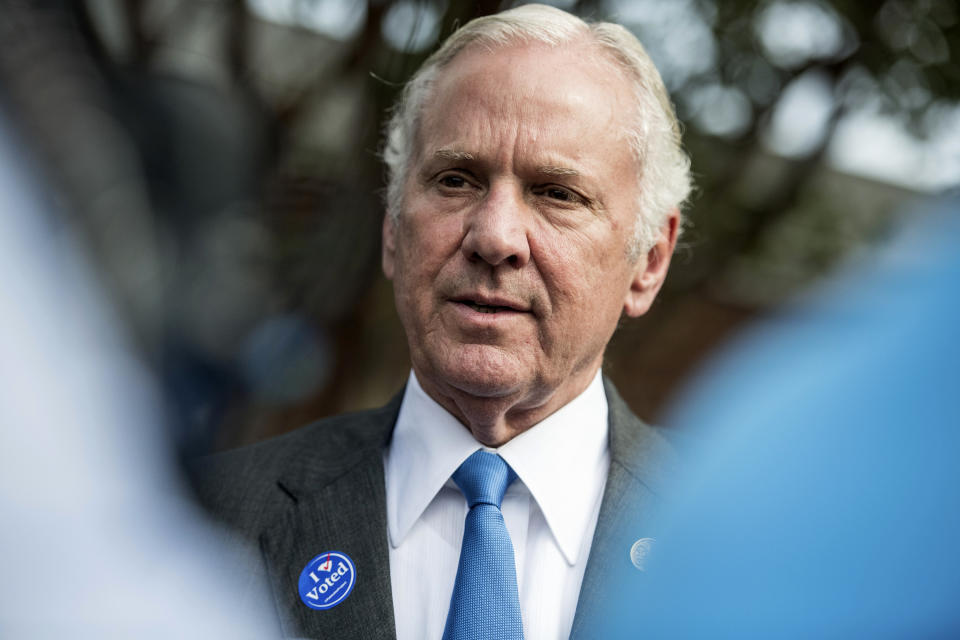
(510, 258)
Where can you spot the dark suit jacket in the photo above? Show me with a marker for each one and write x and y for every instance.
(321, 488)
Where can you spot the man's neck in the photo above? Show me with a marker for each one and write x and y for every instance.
(494, 421)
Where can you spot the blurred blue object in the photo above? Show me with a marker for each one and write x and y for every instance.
(98, 536)
(822, 490)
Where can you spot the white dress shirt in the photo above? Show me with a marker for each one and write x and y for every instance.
(550, 510)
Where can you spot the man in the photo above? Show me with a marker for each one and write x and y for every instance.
(535, 179)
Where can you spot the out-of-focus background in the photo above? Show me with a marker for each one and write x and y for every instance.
(218, 160)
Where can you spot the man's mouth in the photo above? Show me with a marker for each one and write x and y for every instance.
(485, 308)
(491, 304)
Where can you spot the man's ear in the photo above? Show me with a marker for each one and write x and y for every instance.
(389, 248)
(651, 269)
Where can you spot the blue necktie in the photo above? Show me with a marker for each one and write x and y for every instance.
(485, 601)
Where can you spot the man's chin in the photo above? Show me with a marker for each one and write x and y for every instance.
(483, 372)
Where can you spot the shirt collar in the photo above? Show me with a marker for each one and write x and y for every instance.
(563, 462)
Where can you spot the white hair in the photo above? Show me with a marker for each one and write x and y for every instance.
(652, 129)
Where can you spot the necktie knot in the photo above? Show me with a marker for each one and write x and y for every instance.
(483, 478)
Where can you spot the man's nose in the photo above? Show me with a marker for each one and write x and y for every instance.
(496, 230)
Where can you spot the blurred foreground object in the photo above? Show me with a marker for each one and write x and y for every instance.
(823, 496)
(99, 538)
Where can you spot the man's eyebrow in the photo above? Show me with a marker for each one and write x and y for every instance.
(452, 154)
(547, 169)
(562, 172)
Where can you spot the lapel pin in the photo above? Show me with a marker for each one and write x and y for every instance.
(327, 580)
(639, 552)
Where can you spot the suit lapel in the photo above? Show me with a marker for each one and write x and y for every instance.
(640, 459)
(348, 514)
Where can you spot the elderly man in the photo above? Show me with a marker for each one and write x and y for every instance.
(535, 181)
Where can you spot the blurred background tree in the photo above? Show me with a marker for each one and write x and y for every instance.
(244, 237)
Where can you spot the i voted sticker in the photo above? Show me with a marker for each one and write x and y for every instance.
(327, 580)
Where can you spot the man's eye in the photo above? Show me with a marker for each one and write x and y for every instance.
(453, 181)
(560, 194)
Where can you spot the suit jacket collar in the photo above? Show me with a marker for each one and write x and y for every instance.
(640, 462)
(336, 507)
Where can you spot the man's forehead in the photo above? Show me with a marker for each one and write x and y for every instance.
(523, 66)
(545, 109)
(555, 84)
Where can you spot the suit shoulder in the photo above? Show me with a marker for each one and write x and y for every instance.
(252, 481)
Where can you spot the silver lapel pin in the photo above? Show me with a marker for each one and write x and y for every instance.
(639, 551)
